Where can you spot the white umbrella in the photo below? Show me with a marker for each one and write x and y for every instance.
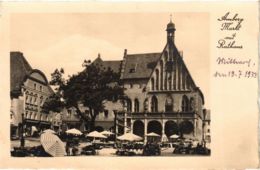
(52, 144)
(74, 131)
(174, 136)
(129, 137)
(49, 131)
(152, 134)
(105, 132)
(96, 134)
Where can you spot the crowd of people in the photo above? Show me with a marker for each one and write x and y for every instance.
(73, 147)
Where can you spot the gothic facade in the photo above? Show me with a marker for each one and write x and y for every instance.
(162, 96)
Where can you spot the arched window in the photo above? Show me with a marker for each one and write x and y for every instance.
(174, 78)
(165, 56)
(169, 104)
(192, 104)
(157, 79)
(165, 81)
(152, 83)
(128, 105)
(154, 104)
(187, 83)
(185, 104)
(161, 68)
(136, 105)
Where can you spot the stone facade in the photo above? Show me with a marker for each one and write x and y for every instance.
(161, 95)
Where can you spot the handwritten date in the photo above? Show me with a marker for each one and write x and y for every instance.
(236, 74)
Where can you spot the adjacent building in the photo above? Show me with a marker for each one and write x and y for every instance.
(29, 90)
(162, 96)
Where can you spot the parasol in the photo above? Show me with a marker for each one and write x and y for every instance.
(96, 134)
(105, 132)
(74, 132)
(130, 137)
(49, 131)
(174, 136)
(152, 134)
(52, 144)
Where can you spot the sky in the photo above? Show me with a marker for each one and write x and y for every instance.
(64, 40)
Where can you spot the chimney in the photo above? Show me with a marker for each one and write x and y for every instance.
(125, 52)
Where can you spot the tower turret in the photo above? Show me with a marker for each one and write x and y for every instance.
(170, 31)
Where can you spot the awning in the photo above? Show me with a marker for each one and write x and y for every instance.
(45, 123)
(31, 121)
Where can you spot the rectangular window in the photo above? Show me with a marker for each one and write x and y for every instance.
(40, 88)
(106, 113)
(132, 70)
(35, 100)
(69, 113)
(26, 99)
(34, 86)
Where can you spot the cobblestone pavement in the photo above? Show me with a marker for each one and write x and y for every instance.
(30, 142)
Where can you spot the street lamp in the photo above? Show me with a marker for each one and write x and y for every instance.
(22, 141)
(115, 123)
(203, 127)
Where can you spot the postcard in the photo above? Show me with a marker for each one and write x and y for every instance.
(113, 85)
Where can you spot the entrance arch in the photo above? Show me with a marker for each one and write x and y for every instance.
(154, 126)
(171, 128)
(138, 128)
(186, 127)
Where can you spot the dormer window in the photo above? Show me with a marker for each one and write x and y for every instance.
(132, 70)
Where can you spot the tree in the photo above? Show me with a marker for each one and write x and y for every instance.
(91, 88)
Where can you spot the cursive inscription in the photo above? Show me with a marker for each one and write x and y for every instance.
(229, 61)
(232, 66)
(231, 22)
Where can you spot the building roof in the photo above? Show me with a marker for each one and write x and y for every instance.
(134, 65)
(20, 68)
(115, 65)
(139, 65)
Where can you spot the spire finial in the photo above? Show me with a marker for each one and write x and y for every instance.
(171, 18)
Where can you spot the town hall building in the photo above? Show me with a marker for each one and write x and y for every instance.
(162, 96)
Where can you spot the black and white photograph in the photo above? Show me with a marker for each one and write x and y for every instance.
(109, 84)
(129, 85)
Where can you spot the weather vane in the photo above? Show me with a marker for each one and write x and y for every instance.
(171, 17)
